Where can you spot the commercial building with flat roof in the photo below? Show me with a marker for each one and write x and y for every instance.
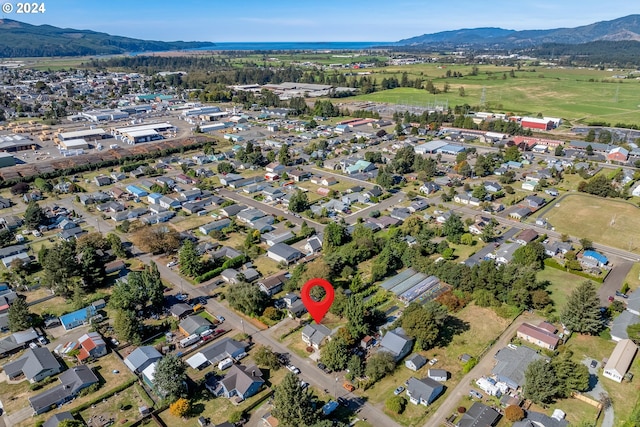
(87, 134)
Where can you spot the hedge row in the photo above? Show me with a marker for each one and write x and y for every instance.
(128, 168)
(230, 263)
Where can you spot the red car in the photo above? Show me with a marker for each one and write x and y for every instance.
(611, 298)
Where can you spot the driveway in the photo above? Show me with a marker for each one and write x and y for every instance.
(614, 280)
(596, 390)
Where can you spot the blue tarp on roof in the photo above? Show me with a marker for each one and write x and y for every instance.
(77, 318)
(597, 256)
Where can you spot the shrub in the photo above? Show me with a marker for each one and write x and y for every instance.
(396, 404)
(514, 413)
(468, 366)
(180, 408)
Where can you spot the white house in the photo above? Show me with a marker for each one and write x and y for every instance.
(620, 360)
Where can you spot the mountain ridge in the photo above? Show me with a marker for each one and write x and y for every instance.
(620, 29)
(19, 39)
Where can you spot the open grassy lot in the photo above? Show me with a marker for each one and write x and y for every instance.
(610, 222)
(623, 395)
(577, 411)
(574, 94)
(473, 337)
(123, 407)
(562, 284)
(633, 277)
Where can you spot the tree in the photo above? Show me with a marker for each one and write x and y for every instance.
(190, 261)
(571, 375)
(586, 243)
(589, 150)
(512, 154)
(461, 92)
(71, 423)
(633, 331)
(180, 408)
(453, 228)
(94, 240)
(33, 215)
(513, 413)
(116, 245)
(355, 366)
(559, 151)
(396, 404)
(532, 254)
(225, 167)
(19, 315)
(170, 377)
(284, 158)
(92, 269)
(423, 322)
(335, 354)
(479, 192)
(299, 202)
(384, 178)
(582, 310)
(157, 239)
(540, 382)
(265, 357)
(379, 365)
(355, 313)
(293, 406)
(127, 326)
(335, 235)
(247, 298)
(60, 267)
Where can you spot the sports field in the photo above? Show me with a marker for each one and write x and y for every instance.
(577, 95)
(608, 221)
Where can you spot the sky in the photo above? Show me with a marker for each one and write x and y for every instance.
(321, 21)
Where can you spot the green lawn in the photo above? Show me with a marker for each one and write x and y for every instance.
(562, 284)
(610, 222)
(555, 92)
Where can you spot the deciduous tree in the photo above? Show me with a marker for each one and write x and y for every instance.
(335, 354)
(379, 365)
(247, 298)
(265, 357)
(180, 408)
(170, 376)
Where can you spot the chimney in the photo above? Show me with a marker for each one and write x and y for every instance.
(253, 373)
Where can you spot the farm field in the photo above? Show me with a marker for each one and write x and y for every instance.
(573, 94)
(606, 221)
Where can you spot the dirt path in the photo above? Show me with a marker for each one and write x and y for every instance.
(483, 367)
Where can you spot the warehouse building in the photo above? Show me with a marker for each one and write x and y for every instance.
(74, 144)
(86, 134)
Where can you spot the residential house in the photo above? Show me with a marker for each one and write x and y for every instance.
(396, 343)
(415, 362)
(538, 419)
(273, 284)
(232, 210)
(272, 193)
(169, 202)
(418, 205)
(225, 252)
(277, 237)
(541, 336)
(56, 419)
(519, 213)
(220, 350)
(250, 215)
(534, 202)
(241, 381)
(526, 236)
(438, 374)
(492, 187)
(77, 318)
(595, 259)
(275, 167)
(102, 180)
(67, 224)
(180, 310)
(72, 381)
(401, 214)
(504, 254)
(479, 415)
(313, 245)
(215, 225)
(620, 360)
(423, 391)
(299, 175)
(92, 346)
(35, 364)
(281, 252)
(140, 358)
(194, 325)
(466, 199)
(314, 334)
(429, 187)
(512, 364)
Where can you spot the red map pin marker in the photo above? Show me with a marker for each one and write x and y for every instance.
(317, 309)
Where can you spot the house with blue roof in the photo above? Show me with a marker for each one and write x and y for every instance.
(595, 259)
(135, 190)
(360, 166)
(154, 198)
(78, 317)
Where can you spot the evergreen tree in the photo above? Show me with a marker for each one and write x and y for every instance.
(19, 316)
(33, 215)
(170, 376)
(116, 245)
(540, 382)
(582, 310)
(60, 267)
(190, 262)
(92, 269)
(127, 326)
(355, 313)
(292, 404)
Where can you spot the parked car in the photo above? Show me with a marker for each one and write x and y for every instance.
(348, 386)
(324, 368)
(621, 295)
(344, 402)
(593, 364)
(398, 390)
(475, 394)
(172, 264)
(293, 369)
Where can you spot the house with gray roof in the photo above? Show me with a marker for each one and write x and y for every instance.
(620, 324)
(275, 237)
(222, 349)
(35, 364)
(512, 363)
(415, 362)
(225, 252)
(249, 215)
(314, 334)
(396, 343)
(281, 252)
(16, 341)
(633, 302)
(241, 381)
(56, 419)
(423, 391)
(191, 325)
(232, 210)
(215, 225)
(479, 415)
(142, 357)
(72, 381)
(538, 419)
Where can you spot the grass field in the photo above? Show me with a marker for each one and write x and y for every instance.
(562, 284)
(607, 221)
(573, 94)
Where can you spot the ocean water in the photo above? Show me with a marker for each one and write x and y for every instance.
(267, 46)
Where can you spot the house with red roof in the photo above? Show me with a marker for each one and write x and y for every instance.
(91, 345)
(543, 335)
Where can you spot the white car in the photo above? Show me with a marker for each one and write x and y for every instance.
(293, 369)
(172, 264)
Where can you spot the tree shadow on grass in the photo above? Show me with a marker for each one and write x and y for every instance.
(452, 327)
